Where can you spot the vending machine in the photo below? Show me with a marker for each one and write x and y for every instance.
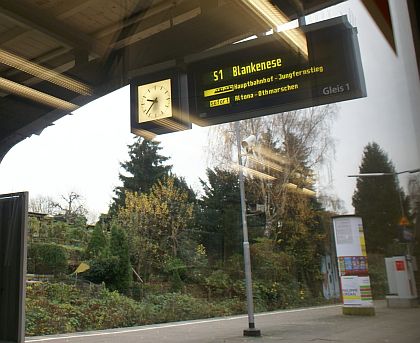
(401, 282)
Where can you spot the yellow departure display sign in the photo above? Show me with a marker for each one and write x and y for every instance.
(265, 76)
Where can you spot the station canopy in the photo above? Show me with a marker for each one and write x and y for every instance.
(57, 55)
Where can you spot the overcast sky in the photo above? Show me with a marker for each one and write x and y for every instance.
(82, 152)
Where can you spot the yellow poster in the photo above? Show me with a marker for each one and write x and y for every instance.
(351, 291)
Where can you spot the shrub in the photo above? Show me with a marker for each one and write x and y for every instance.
(271, 295)
(196, 263)
(103, 270)
(234, 266)
(47, 258)
(75, 255)
(98, 244)
(53, 308)
(271, 265)
(218, 283)
(227, 307)
(175, 268)
(58, 308)
(170, 307)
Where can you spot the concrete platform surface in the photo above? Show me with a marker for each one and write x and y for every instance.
(316, 325)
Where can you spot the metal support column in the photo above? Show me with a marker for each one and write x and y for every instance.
(251, 331)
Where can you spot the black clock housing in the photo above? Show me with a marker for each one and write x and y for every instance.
(179, 95)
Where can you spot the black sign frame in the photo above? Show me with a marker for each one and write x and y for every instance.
(332, 46)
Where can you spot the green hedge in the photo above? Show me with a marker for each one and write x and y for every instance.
(53, 308)
(47, 258)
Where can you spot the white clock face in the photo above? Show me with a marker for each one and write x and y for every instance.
(155, 101)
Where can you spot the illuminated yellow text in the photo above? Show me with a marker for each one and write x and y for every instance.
(218, 75)
(218, 90)
(265, 92)
(273, 84)
(252, 68)
(220, 102)
(297, 73)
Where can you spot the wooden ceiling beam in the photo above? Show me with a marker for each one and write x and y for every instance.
(137, 17)
(31, 17)
(69, 8)
(13, 33)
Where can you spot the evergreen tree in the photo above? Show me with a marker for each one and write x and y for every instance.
(220, 215)
(181, 184)
(144, 168)
(377, 199)
(119, 249)
(109, 259)
(98, 243)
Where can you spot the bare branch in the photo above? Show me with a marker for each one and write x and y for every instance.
(301, 139)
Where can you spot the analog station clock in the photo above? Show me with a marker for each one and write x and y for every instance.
(154, 101)
(159, 100)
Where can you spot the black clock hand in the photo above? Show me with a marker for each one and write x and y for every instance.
(153, 102)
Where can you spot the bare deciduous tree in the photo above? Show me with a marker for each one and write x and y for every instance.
(72, 205)
(291, 146)
(42, 204)
(311, 127)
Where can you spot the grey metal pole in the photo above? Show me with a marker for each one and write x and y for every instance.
(251, 331)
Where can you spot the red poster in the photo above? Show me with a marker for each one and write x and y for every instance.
(400, 266)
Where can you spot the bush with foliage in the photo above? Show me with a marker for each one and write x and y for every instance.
(109, 259)
(196, 262)
(270, 264)
(53, 308)
(58, 308)
(171, 307)
(98, 244)
(175, 269)
(47, 258)
(218, 284)
(103, 270)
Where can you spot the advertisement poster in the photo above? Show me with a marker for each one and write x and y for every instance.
(356, 291)
(351, 291)
(352, 261)
(347, 236)
(353, 265)
(365, 291)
